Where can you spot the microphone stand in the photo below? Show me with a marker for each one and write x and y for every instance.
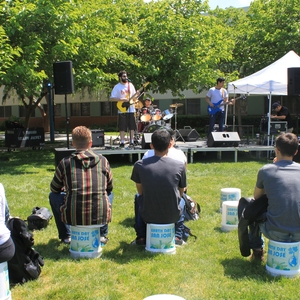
(178, 134)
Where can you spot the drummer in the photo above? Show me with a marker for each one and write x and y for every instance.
(145, 114)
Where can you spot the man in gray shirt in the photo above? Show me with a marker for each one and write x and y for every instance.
(280, 182)
(160, 182)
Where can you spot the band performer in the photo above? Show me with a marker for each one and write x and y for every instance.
(216, 97)
(123, 93)
(282, 114)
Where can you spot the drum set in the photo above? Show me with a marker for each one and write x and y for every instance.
(148, 119)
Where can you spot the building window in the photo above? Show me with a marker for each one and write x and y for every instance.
(22, 112)
(5, 111)
(80, 109)
(193, 107)
(108, 108)
(57, 110)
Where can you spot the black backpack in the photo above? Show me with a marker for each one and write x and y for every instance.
(26, 263)
(192, 208)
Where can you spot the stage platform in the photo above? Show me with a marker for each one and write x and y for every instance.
(189, 148)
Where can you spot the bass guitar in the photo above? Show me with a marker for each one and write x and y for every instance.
(218, 105)
(123, 105)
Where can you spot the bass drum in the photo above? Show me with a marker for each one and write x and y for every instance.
(151, 128)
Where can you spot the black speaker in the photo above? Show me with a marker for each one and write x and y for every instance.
(63, 78)
(189, 135)
(60, 153)
(98, 138)
(223, 139)
(293, 81)
(146, 140)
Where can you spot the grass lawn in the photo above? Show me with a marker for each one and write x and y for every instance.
(209, 268)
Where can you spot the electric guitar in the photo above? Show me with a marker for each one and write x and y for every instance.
(123, 105)
(218, 105)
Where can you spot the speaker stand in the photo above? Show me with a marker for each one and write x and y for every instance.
(67, 121)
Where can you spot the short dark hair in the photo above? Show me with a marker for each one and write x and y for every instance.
(161, 139)
(220, 79)
(287, 143)
(121, 73)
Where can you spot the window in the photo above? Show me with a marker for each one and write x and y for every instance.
(193, 106)
(80, 109)
(57, 110)
(5, 111)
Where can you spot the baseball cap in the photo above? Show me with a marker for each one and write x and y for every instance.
(275, 105)
(148, 99)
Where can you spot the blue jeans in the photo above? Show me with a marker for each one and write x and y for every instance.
(56, 201)
(256, 239)
(140, 225)
(213, 118)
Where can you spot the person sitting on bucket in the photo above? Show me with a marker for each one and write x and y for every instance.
(81, 189)
(160, 182)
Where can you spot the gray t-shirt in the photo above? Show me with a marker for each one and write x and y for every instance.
(160, 178)
(281, 182)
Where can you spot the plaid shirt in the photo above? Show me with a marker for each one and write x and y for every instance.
(87, 181)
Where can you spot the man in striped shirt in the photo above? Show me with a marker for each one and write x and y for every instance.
(81, 189)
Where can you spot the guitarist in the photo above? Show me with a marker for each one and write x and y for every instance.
(124, 91)
(214, 96)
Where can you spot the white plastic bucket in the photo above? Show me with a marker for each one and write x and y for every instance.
(160, 238)
(163, 297)
(229, 194)
(283, 259)
(85, 241)
(5, 293)
(230, 218)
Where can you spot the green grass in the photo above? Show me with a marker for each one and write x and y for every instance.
(209, 268)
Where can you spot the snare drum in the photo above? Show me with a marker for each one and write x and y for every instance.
(156, 115)
(167, 114)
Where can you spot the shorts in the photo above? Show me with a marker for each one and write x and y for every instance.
(127, 122)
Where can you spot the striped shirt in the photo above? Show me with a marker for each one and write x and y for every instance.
(87, 181)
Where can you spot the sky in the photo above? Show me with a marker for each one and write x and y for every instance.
(226, 3)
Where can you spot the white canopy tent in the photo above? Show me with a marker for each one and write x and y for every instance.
(272, 80)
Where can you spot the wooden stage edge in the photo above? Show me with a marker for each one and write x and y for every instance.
(189, 148)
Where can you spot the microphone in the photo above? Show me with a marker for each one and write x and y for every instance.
(128, 80)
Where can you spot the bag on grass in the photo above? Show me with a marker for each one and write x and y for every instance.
(27, 262)
(187, 233)
(39, 218)
(192, 208)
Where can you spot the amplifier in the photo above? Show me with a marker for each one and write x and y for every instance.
(98, 138)
(278, 126)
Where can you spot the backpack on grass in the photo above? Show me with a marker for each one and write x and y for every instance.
(192, 208)
(26, 263)
(39, 219)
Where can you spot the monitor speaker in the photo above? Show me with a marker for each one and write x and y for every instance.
(60, 153)
(146, 140)
(293, 81)
(223, 139)
(98, 138)
(189, 135)
(63, 78)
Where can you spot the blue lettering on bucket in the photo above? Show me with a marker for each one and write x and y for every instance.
(165, 235)
(83, 238)
(155, 235)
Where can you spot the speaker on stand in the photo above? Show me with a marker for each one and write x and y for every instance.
(63, 85)
(293, 87)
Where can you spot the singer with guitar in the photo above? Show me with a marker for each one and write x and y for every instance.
(213, 98)
(124, 93)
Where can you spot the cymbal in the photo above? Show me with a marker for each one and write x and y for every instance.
(138, 105)
(154, 105)
(176, 105)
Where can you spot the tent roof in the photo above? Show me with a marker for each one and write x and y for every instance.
(270, 80)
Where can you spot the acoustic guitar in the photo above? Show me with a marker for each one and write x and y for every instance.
(218, 105)
(123, 105)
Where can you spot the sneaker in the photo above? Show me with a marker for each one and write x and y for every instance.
(179, 242)
(139, 241)
(131, 146)
(122, 145)
(66, 240)
(257, 255)
(103, 240)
